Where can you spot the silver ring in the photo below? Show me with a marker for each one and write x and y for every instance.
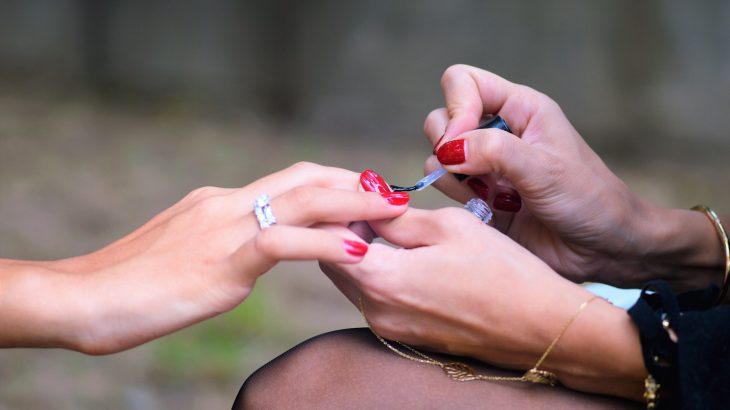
(263, 212)
(480, 209)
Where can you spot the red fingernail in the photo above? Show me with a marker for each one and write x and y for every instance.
(396, 198)
(479, 187)
(452, 153)
(507, 201)
(372, 182)
(355, 248)
(436, 145)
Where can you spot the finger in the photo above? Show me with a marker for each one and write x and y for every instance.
(481, 152)
(363, 230)
(282, 242)
(419, 227)
(448, 184)
(470, 93)
(435, 126)
(304, 206)
(500, 194)
(299, 174)
(342, 281)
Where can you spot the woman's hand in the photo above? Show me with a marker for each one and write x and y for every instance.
(195, 260)
(554, 195)
(462, 287)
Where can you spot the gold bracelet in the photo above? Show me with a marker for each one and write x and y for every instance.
(462, 372)
(651, 392)
(725, 246)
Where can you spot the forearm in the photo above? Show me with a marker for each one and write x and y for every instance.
(600, 351)
(39, 305)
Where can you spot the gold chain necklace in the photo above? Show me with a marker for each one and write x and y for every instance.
(462, 372)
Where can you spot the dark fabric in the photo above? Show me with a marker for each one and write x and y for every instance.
(695, 372)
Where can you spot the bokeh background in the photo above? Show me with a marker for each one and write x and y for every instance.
(111, 110)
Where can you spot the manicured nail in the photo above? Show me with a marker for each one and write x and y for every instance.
(396, 198)
(452, 153)
(479, 187)
(508, 201)
(436, 145)
(355, 248)
(372, 182)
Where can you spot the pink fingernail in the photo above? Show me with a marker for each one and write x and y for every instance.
(356, 248)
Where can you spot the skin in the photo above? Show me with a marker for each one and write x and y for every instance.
(450, 284)
(197, 259)
(577, 216)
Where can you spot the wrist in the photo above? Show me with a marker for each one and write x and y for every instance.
(683, 248)
(601, 353)
(40, 306)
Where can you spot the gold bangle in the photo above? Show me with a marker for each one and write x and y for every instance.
(725, 246)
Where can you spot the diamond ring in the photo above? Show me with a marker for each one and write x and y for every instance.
(480, 209)
(263, 212)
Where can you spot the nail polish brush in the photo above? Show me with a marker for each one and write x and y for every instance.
(423, 183)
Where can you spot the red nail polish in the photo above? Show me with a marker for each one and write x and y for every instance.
(507, 201)
(452, 153)
(355, 248)
(436, 145)
(372, 182)
(479, 187)
(396, 198)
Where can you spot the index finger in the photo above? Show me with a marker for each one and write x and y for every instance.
(470, 93)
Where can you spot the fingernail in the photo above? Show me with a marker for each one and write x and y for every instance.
(452, 153)
(396, 198)
(508, 201)
(479, 187)
(436, 145)
(355, 248)
(372, 182)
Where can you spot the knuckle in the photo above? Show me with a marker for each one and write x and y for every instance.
(301, 197)
(491, 148)
(454, 71)
(211, 205)
(536, 100)
(202, 192)
(305, 167)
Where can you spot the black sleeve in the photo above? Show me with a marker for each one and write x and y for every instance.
(694, 373)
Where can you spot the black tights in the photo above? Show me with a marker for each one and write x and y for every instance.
(351, 369)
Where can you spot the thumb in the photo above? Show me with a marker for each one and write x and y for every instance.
(487, 151)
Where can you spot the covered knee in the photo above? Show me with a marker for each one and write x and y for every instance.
(308, 374)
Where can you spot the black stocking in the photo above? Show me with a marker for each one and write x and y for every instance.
(351, 369)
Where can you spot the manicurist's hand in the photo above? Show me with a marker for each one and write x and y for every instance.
(456, 285)
(552, 194)
(197, 259)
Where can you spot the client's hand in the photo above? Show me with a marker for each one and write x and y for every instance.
(195, 260)
(462, 287)
(553, 194)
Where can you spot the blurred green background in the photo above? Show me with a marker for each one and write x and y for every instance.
(111, 110)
